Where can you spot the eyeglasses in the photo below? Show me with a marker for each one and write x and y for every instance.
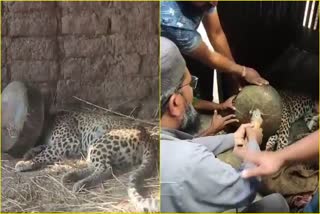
(193, 83)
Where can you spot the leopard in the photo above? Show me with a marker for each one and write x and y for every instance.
(107, 142)
(294, 107)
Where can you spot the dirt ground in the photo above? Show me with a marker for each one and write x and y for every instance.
(42, 190)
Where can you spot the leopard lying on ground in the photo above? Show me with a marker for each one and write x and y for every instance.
(294, 107)
(107, 142)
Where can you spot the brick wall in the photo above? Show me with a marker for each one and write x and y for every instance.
(103, 52)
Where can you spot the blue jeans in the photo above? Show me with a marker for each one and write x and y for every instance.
(179, 23)
(186, 40)
(313, 206)
(273, 203)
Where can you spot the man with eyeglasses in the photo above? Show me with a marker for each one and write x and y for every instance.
(192, 178)
(179, 23)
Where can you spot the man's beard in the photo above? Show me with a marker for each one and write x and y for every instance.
(190, 121)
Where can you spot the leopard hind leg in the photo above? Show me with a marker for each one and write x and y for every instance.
(99, 169)
(77, 175)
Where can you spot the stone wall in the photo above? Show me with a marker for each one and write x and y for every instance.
(102, 52)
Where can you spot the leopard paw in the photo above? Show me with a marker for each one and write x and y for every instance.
(23, 166)
(79, 186)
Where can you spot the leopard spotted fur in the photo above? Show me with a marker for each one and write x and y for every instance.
(294, 107)
(107, 142)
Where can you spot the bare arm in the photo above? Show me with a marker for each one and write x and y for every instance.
(224, 60)
(216, 34)
(210, 106)
(222, 63)
(270, 162)
(191, 44)
(218, 123)
(207, 105)
(305, 149)
(216, 60)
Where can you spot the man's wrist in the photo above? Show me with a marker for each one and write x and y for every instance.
(239, 70)
(221, 106)
(209, 132)
(280, 156)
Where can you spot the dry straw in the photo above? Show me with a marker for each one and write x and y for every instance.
(42, 191)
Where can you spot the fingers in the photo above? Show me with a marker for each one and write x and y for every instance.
(229, 102)
(245, 125)
(233, 108)
(242, 130)
(233, 96)
(255, 78)
(253, 172)
(266, 82)
(231, 121)
(260, 81)
(228, 117)
(214, 116)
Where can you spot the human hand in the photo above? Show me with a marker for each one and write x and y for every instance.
(254, 134)
(240, 136)
(228, 104)
(253, 77)
(267, 163)
(218, 122)
(238, 82)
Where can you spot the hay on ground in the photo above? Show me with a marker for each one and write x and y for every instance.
(42, 191)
